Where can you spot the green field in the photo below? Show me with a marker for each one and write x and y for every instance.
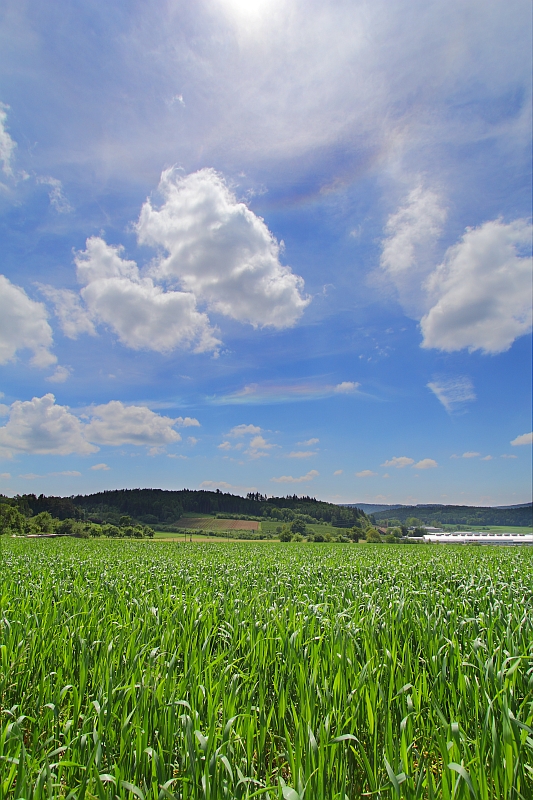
(202, 536)
(270, 526)
(144, 669)
(501, 529)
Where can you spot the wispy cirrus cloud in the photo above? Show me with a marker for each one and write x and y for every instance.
(7, 144)
(411, 235)
(454, 392)
(58, 200)
(267, 393)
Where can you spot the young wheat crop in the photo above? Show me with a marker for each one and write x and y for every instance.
(325, 672)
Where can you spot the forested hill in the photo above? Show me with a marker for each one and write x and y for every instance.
(157, 505)
(460, 515)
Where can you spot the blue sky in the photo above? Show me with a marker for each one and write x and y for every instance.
(267, 245)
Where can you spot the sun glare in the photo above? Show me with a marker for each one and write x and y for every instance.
(248, 9)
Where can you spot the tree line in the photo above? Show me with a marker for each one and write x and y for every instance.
(151, 506)
(13, 522)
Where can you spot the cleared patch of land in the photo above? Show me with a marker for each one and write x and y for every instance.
(206, 523)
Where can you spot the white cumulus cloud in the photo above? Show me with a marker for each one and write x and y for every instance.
(258, 447)
(143, 315)
(302, 479)
(524, 438)
(98, 467)
(481, 293)
(309, 442)
(40, 426)
(188, 422)
(399, 462)
(212, 249)
(453, 392)
(73, 317)
(216, 485)
(23, 324)
(260, 443)
(43, 427)
(115, 424)
(302, 454)
(59, 375)
(219, 250)
(243, 430)
(346, 387)
(425, 463)
(365, 473)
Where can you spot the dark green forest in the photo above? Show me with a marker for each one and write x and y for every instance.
(152, 506)
(460, 515)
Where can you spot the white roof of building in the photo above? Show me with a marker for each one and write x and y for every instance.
(480, 537)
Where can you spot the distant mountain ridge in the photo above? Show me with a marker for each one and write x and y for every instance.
(375, 507)
(518, 505)
(519, 515)
(371, 508)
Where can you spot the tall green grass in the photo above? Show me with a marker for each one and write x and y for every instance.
(139, 670)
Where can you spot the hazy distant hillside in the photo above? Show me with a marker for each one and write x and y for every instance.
(461, 515)
(371, 508)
